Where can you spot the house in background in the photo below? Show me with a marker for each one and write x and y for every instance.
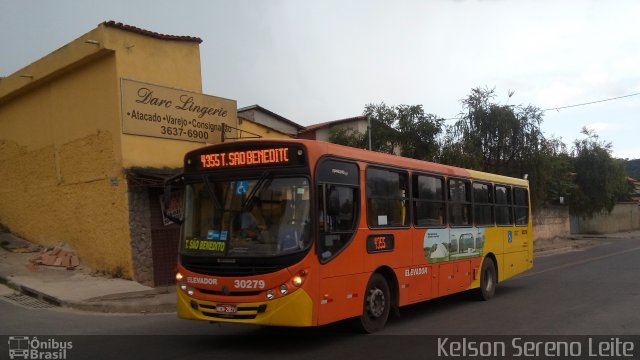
(267, 119)
(322, 131)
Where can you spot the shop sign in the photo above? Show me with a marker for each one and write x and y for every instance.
(158, 111)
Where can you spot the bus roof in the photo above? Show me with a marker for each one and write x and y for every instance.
(319, 148)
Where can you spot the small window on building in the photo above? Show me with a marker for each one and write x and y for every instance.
(428, 201)
(482, 204)
(521, 206)
(387, 198)
(503, 205)
(459, 202)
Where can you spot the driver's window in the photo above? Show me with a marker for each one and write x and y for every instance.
(340, 208)
(338, 203)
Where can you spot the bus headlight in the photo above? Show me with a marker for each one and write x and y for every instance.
(183, 287)
(190, 291)
(179, 277)
(284, 289)
(270, 294)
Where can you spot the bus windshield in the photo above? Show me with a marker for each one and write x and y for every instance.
(261, 217)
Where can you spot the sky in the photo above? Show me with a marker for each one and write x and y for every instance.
(316, 61)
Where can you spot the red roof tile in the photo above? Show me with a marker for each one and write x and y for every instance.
(156, 35)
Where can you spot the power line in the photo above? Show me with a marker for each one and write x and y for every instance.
(590, 102)
(558, 108)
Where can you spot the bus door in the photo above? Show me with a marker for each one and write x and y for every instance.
(456, 274)
(337, 204)
(429, 211)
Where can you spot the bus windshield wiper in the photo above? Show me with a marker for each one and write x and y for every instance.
(216, 202)
(254, 191)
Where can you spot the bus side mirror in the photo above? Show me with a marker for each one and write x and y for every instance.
(174, 182)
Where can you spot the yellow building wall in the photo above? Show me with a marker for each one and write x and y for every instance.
(62, 151)
(63, 155)
(60, 181)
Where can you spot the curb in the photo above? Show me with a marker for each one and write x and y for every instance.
(125, 305)
(31, 292)
(116, 307)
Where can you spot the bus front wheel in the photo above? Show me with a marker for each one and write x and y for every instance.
(377, 303)
(488, 280)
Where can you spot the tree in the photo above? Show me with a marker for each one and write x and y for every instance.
(419, 132)
(633, 168)
(501, 139)
(552, 173)
(384, 137)
(349, 137)
(498, 138)
(600, 179)
(403, 128)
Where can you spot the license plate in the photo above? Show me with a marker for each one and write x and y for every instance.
(226, 308)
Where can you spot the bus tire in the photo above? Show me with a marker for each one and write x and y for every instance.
(488, 280)
(377, 304)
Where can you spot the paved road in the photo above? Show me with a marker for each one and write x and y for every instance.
(594, 291)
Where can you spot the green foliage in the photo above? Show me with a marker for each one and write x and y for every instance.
(419, 132)
(348, 137)
(505, 140)
(498, 138)
(633, 168)
(554, 173)
(384, 137)
(600, 179)
(403, 128)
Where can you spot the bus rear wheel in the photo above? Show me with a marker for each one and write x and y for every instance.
(488, 280)
(377, 303)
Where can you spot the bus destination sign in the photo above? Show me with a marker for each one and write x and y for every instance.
(271, 156)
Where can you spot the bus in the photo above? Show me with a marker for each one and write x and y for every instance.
(305, 233)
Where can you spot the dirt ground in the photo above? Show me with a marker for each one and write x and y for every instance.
(545, 246)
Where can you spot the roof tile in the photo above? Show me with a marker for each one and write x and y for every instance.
(121, 26)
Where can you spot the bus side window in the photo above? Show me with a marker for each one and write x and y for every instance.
(503, 208)
(387, 198)
(338, 210)
(459, 202)
(483, 204)
(428, 200)
(521, 206)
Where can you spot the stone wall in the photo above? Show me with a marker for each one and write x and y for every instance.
(623, 217)
(140, 228)
(551, 222)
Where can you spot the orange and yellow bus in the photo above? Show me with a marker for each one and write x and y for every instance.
(306, 233)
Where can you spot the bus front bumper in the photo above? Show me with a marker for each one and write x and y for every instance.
(294, 309)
